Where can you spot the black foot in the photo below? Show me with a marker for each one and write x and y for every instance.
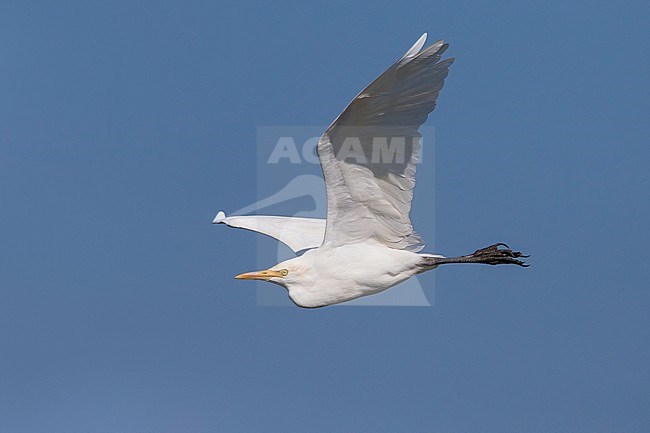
(493, 255)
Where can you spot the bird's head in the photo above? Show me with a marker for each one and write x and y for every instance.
(289, 272)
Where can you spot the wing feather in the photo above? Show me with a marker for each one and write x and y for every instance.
(295, 232)
(369, 153)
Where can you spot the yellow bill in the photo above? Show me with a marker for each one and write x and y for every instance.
(260, 275)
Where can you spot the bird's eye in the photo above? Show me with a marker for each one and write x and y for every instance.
(284, 272)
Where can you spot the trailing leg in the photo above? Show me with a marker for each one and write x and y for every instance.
(492, 255)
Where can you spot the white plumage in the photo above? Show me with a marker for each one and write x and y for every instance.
(368, 156)
(297, 233)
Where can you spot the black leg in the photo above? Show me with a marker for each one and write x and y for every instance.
(492, 255)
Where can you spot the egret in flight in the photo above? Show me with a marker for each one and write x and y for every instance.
(368, 155)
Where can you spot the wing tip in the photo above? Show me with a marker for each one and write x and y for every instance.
(221, 216)
(415, 49)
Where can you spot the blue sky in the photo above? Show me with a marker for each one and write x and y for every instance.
(125, 126)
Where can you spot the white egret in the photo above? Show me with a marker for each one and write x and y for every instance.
(368, 155)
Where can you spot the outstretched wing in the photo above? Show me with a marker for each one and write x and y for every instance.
(368, 155)
(297, 233)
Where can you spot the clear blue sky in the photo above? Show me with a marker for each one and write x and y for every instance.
(125, 126)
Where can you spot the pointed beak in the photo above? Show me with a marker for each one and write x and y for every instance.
(259, 275)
